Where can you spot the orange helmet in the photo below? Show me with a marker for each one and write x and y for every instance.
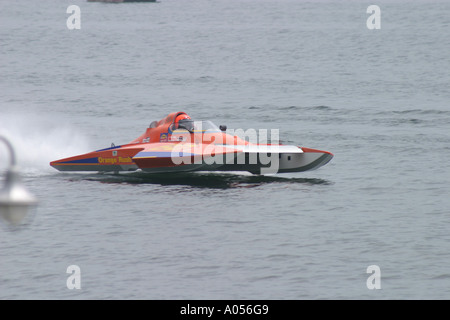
(183, 121)
(181, 117)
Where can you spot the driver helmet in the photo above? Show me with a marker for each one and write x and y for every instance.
(183, 121)
(181, 117)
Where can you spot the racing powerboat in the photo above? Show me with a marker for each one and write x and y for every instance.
(177, 143)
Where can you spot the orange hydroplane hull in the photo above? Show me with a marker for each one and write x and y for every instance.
(187, 145)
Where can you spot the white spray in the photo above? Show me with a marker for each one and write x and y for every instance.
(37, 140)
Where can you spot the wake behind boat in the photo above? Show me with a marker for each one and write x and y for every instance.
(179, 144)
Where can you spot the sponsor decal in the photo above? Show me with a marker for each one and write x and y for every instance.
(177, 138)
(102, 160)
(163, 137)
(107, 160)
(125, 160)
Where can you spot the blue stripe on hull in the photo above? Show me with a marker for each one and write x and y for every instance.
(88, 160)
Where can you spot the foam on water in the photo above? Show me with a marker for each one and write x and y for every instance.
(38, 139)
